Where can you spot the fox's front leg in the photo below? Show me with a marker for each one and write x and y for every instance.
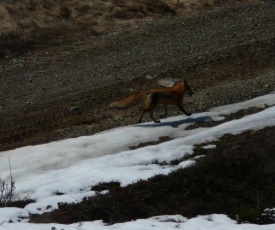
(152, 117)
(165, 112)
(184, 111)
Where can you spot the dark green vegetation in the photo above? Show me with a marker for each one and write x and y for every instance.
(236, 178)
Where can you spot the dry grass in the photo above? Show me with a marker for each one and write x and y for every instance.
(28, 20)
(21, 17)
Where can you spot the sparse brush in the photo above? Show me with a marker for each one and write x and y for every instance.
(8, 198)
(235, 178)
(6, 190)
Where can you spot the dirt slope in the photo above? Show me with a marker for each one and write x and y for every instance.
(227, 54)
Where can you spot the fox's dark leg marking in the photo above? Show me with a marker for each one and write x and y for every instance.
(165, 111)
(141, 115)
(184, 111)
(152, 117)
(154, 99)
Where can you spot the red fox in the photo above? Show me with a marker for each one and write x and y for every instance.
(152, 98)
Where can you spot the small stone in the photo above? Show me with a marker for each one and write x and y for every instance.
(75, 110)
(261, 106)
(167, 82)
(149, 77)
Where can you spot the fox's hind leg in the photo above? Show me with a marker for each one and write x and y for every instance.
(146, 108)
(150, 105)
(151, 115)
(184, 111)
(152, 102)
(141, 115)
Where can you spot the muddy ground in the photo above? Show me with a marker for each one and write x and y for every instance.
(63, 89)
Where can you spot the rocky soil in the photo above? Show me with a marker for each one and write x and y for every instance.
(227, 55)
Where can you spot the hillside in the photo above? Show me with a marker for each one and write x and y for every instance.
(61, 90)
(64, 62)
(215, 162)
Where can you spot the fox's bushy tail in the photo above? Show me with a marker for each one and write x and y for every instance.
(132, 100)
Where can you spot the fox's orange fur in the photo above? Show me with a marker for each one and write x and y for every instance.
(151, 98)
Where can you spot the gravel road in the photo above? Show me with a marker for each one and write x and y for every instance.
(227, 55)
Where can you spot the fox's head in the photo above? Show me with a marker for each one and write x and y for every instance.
(188, 88)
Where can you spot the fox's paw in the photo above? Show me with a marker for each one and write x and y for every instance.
(188, 114)
(157, 121)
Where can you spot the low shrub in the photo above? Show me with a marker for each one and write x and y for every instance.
(236, 178)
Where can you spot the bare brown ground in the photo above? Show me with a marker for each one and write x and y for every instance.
(62, 88)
